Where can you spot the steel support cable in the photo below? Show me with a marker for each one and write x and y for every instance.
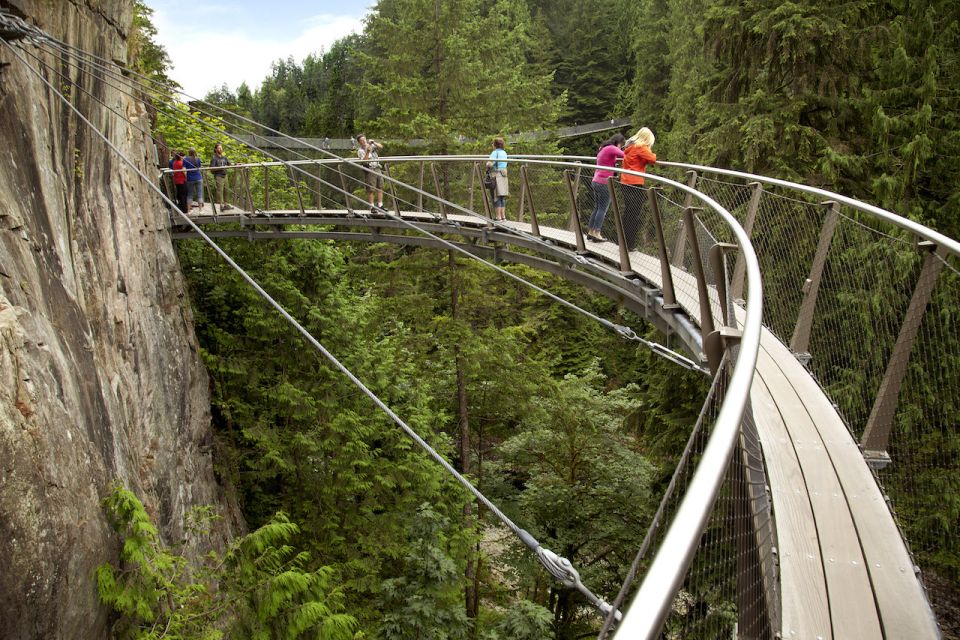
(166, 107)
(561, 568)
(623, 331)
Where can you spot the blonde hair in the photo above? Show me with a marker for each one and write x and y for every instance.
(643, 137)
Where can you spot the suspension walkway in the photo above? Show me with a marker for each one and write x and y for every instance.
(827, 327)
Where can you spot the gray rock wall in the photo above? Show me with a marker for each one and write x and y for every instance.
(100, 376)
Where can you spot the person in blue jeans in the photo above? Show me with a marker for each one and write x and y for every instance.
(610, 151)
(501, 189)
(194, 180)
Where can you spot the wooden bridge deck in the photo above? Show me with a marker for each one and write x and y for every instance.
(845, 571)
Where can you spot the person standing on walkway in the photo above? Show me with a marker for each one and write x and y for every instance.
(501, 188)
(192, 164)
(219, 176)
(179, 181)
(373, 172)
(610, 151)
(636, 156)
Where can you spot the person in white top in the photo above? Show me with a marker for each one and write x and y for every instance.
(373, 172)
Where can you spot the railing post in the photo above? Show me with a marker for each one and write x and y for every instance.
(523, 192)
(666, 274)
(439, 194)
(420, 192)
(706, 312)
(483, 191)
(740, 270)
(876, 435)
(574, 214)
(266, 188)
(534, 224)
(246, 189)
(625, 268)
(346, 192)
(211, 192)
(719, 265)
(393, 193)
(800, 342)
(681, 236)
(319, 186)
(296, 187)
(473, 185)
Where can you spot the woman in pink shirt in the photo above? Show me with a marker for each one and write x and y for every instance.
(609, 152)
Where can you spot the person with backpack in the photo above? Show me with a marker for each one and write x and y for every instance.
(179, 181)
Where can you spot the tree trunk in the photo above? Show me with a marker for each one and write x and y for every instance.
(470, 590)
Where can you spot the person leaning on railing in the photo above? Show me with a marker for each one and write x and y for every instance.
(636, 156)
(501, 188)
(608, 154)
(219, 175)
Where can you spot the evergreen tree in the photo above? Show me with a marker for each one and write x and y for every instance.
(442, 70)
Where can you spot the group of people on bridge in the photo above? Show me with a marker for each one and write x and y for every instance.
(634, 152)
(188, 179)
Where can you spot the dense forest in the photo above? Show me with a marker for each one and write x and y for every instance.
(355, 533)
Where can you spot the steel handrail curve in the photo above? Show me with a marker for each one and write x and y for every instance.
(653, 600)
(947, 243)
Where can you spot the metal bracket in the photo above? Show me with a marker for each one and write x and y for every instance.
(717, 342)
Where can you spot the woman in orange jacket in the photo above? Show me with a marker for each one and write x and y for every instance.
(637, 155)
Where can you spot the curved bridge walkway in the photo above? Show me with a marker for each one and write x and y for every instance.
(839, 560)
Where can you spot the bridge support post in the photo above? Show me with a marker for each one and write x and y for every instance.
(246, 189)
(800, 342)
(681, 237)
(420, 192)
(523, 193)
(703, 293)
(473, 185)
(346, 192)
(211, 194)
(719, 265)
(876, 435)
(740, 270)
(436, 186)
(319, 186)
(483, 191)
(666, 274)
(296, 187)
(266, 188)
(625, 267)
(393, 193)
(574, 214)
(534, 224)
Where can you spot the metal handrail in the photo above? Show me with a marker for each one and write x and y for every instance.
(667, 572)
(948, 244)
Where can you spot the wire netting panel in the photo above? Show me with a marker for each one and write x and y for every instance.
(730, 588)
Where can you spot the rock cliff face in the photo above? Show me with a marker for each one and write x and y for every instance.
(100, 377)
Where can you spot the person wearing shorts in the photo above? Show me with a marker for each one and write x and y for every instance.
(373, 171)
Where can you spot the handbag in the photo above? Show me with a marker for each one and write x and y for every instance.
(489, 181)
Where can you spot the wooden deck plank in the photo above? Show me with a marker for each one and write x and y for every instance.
(801, 566)
(852, 607)
(903, 606)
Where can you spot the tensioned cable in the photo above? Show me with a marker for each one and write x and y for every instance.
(171, 110)
(560, 568)
(622, 330)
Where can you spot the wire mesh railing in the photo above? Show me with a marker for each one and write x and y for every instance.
(870, 303)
